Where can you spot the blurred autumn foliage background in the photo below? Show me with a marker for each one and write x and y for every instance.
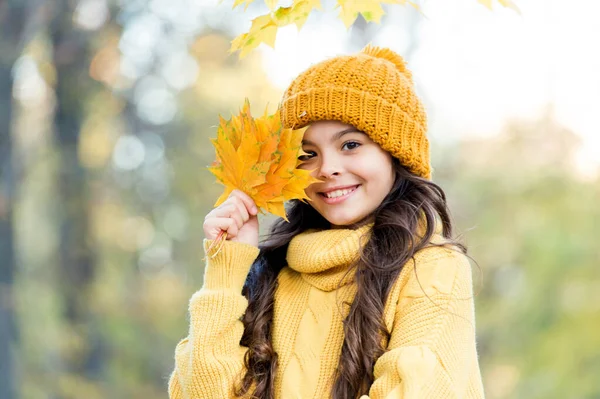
(106, 109)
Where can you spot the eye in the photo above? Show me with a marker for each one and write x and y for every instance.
(352, 144)
(306, 157)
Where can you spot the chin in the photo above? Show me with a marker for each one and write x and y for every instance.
(339, 217)
(343, 222)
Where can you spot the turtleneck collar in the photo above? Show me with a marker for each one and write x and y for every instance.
(323, 257)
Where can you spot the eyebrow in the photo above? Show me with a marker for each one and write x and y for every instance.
(336, 136)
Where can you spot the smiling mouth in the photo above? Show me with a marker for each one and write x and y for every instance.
(350, 189)
(340, 198)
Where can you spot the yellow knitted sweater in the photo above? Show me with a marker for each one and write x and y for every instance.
(430, 314)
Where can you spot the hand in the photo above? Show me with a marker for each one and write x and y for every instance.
(236, 216)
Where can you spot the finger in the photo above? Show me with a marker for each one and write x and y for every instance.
(231, 210)
(233, 229)
(225, 209)
(241, 208)
(226, 224)
(247, 201)
(212, 227)
(239, 221)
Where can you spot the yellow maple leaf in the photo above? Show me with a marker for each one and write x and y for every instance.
(263, 30)
(264, 27)
(371, 10)
(260, 157)
(349, 10)
(296, 14)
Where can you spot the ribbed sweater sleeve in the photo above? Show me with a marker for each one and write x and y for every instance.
(209, 361)
(432, 351)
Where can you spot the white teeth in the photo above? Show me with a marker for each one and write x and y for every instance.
(339, 193)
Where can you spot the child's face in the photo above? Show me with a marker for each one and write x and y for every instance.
(344, 157)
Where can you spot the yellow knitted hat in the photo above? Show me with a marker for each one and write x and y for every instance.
(372, 91)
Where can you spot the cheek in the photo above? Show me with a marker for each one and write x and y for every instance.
(368, 171)
(378, 175)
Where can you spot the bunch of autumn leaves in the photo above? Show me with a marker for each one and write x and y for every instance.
(260, 157)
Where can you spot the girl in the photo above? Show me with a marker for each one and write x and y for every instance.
(363, 294)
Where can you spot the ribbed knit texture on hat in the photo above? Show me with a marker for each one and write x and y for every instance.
(373, 91)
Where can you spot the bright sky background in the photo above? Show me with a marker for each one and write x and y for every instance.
(476, 68)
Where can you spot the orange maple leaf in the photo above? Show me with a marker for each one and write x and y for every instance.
(260, 157)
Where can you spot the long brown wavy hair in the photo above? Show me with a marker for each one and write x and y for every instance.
(391, 245)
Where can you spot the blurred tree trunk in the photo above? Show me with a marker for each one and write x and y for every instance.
(12, 21)
(77, 261)
(7, 252)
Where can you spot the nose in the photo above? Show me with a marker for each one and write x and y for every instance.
(330, 166)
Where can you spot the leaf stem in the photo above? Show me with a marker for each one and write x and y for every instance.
(219, 240)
